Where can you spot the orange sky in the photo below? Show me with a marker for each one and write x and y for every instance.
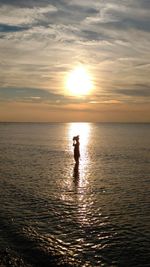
(99, 113)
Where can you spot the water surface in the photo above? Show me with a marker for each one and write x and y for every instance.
(96, 213)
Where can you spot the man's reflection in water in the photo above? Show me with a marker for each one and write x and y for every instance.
(76, 173)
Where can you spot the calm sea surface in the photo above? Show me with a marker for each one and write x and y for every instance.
(97, 214)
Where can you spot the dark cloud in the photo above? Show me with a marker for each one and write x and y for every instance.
(36, 95)
(125, 24)
(73, 14)
(27, 3)
(60, 4)
(129, 23)
(139, 90)
(65, 13)
(11, 28)
(92, 35)
(142, 3)
(136, 24)
(81, 9)
(129, 3)
(24, 93)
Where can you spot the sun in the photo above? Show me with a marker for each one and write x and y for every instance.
(78, 82)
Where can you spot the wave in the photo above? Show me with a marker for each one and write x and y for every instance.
(37, 250)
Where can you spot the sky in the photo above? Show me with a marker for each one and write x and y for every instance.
(42, 41)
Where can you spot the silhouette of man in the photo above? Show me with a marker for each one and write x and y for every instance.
(76, 145)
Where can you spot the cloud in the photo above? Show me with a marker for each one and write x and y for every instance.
(28, 94)
(142, 4)
(27, 3)
(42, 40)
(24, 15)
(36, 95)
(11, 28)
(139, 90)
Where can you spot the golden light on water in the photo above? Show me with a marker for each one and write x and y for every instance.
(75, 186)
(83, 130)
(81, 181)
(78, 82)
(76, 177)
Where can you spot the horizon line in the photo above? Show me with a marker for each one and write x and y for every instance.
(44, 122)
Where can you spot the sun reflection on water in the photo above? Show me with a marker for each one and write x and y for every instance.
(80, 170)
(83, 130)
(75, 185)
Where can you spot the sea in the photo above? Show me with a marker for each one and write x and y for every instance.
(96, 213)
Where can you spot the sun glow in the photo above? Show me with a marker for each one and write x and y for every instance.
(78, 82)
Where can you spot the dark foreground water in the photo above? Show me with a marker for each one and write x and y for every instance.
(96, 214)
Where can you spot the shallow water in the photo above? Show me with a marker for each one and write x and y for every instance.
(96, 214)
